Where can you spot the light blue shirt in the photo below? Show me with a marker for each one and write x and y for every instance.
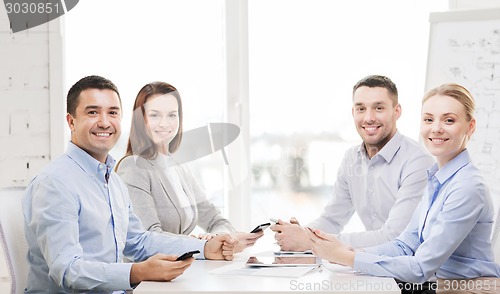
(448, 237)
(383, 190)
(79, 227)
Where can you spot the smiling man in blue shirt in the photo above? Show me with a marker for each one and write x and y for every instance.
(79, 220)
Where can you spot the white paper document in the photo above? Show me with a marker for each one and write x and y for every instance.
(238, 268)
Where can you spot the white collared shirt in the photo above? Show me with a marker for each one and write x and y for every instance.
(383, 190)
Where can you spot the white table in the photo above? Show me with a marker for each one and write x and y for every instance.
(332, 279)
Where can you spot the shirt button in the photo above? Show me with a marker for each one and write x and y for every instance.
(105, 185)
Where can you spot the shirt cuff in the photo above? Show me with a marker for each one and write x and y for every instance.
(196, 244)
(118, 275)
(343, 238)
(364, 261)
(371, 250)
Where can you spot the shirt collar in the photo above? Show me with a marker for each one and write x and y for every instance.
(389, 150)
(89, 163)
(448, 170)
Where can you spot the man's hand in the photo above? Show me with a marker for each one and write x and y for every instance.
(204, 236)
(159, 267)
(245, 240)
(291, 236)
(294, 221)
(220, 247)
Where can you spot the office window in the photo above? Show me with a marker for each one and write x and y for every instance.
(134, 43)
(305, 56)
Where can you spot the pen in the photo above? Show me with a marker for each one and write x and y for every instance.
(292, 252)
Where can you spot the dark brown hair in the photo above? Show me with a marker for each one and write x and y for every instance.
(375, 81)
(140, 142)
(89, 82)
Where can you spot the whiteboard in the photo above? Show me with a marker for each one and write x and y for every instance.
(464, 47)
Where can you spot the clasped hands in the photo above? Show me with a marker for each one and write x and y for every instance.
(290, 236)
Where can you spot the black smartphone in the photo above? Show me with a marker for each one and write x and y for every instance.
(260, 228)
(187, 255)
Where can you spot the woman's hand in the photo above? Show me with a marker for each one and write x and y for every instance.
(328, 247)
(245, 240)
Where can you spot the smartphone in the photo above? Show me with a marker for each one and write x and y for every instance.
(260, 227)
(187, 255)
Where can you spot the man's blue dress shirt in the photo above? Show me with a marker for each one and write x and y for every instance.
(79, 225)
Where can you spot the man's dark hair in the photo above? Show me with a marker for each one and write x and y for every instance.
(374, 81)
(90, 82)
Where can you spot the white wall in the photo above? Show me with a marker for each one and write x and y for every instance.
(476, 4)
(31, 91)
(31, 80)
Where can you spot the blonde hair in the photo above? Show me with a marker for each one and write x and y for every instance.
(458, 92)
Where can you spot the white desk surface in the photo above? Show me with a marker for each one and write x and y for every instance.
(332, 279)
